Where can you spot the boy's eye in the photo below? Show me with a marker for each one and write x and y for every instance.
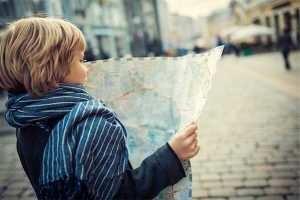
(82, 60)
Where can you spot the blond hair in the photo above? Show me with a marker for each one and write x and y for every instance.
(36, 54)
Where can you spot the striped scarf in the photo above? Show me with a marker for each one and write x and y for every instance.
(86, 153)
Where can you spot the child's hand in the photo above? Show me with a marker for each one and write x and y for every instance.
(184, 142)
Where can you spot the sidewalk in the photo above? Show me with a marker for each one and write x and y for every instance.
(249, 131)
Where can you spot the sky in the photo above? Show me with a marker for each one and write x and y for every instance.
(195, 8)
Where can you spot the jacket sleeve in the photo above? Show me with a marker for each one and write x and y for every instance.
(159, 170)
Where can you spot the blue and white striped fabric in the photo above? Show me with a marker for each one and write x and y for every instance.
(86, 152)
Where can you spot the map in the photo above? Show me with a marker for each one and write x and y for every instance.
(154, 97)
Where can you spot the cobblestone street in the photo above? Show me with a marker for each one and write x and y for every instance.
(248, 134)
(249, 131)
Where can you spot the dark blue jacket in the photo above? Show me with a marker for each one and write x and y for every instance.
(157, 171)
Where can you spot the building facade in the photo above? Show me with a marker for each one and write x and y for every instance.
(113, 28)
(182, 30)
(216, 23)
(102, 22)
(145, 26)
(11, 10)
(278, 14)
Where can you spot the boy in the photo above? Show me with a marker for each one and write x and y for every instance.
(70, 145)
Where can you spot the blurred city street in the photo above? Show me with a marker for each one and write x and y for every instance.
(248, 134)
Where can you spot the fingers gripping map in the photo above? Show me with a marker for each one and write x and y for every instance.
(154, 98)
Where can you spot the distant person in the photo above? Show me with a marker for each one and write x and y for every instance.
(197, 49)
(89, 55)
(220, 42)
(235, 48)
(155, 47)
(104, 55)
(285, 44)
(70, 144)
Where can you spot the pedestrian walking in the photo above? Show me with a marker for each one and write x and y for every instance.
(89, 55)
(285, 44)
(70, 144)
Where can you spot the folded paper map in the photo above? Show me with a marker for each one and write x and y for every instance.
(154, 97)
